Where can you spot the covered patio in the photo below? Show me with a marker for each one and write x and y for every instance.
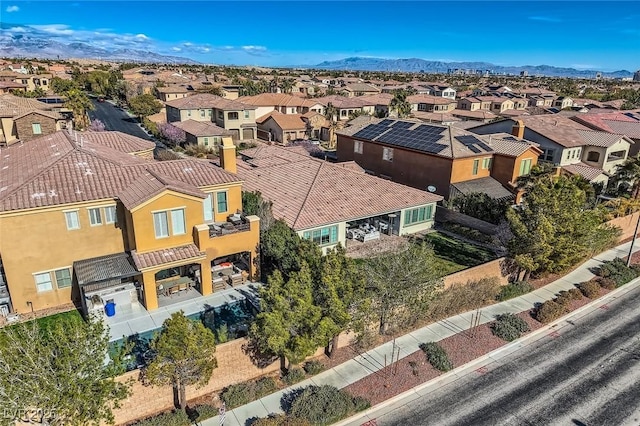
(111, 278)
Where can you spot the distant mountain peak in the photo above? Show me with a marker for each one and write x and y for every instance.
(356, 63)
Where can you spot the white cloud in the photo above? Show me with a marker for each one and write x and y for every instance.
(141, 37)
(54, 29)
(254, 48)
(176, 49)
(12, 8)
(549, 19)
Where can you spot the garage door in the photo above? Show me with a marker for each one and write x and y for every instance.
(235, 134)
(247, 133)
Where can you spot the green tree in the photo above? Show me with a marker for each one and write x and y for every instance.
(144, 105)
(38, 92)
(288, 324)
(287, 85)
(254, 204)
(61, 370)
(184, 356)
(481, 206)
(78, 102)
(400, 285)
(629, 173)
(338, 291)
(331, 114)
(554, 228)
(280, 250)
(400, 104)
(212, 90)
(62, 86)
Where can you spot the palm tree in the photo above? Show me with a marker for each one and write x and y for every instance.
(629, 171)
(400, 105)
(287, 85)
(79, 103)
(331, 114)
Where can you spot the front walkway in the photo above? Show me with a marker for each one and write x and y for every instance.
(137, 319)
(369, 362)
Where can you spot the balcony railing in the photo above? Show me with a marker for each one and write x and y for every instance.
(218, 230)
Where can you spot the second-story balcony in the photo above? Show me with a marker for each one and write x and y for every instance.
(239, 233)
(235, 223)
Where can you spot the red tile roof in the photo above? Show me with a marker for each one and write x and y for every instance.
(200, 128)
(55, 170)
(308, 192)
(119, 141)
(284, 121)
(207, 100)
(584, 170)
(150, 184)
(164, 256)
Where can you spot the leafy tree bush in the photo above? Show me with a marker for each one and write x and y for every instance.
(180, 417)
(323, 405)
(481, 206)
(97, 126)
(144, 105)
(566, 297)
(436, 356)
(172, 133)
(509, 327)
(514, 289)
(313, 367)
(293, 376)
(590, 289)
(618, 271)
(243, 393)
(606, 283)
(575, 294)
(550, 311)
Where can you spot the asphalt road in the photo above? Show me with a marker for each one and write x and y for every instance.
(117, 119)
(588, 375)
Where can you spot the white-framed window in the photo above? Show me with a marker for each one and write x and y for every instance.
(110, 214)
(72, 219)
(161, 224)
(36, 128)
(95, 218)
(418, 215)
(486, 163)
(476, 163)
(43, 281)
(206, 141)
(178, 226)
(207, 206)
(63, 277)
(233, 115)
(547, 154)
(246, 114)
(387, 154)
(221, 202)
(525, 167)
(322, 236)
(357, 147)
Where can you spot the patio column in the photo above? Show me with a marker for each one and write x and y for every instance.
(150, 291)
(206, 285)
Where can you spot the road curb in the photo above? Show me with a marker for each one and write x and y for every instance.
(493, 356)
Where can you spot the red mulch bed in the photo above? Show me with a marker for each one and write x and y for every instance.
(394, 379)
(544, 280)
(471, 344)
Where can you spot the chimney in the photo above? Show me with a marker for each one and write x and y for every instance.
(227, 153)
(518, 129)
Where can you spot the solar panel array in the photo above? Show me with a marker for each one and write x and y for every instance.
(423, 137)
(474, 144)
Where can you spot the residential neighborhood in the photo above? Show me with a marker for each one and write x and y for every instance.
(185, 242)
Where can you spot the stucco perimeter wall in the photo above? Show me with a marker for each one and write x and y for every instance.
(627, 224)
(234, 366)
(495, 268)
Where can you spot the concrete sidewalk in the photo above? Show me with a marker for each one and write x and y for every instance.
(373, 360)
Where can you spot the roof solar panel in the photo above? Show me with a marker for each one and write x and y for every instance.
(403, 125)
(385, 122)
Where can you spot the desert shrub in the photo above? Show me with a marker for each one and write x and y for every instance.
(151, 127)
(618, 271)
(360, 404)
(174, 418)
(293, 376)
(463, 297)
(264, 386)
(509, 327)
(324, 405)
(514, 289)
(237, 395)
(564, 298)
(550, 311)
(203, 411)
(436, 356)
(575, 293)
(167, 155)
(606, 283)
(313, 367)
(199, 151)
(243, 393)
(590, 289)
(281, 420)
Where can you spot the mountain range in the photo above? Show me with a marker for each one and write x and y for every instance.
(17, 41)
(440, 67)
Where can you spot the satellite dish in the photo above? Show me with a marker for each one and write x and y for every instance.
(431, 188)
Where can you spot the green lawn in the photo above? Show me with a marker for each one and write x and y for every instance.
(456, 253)
(452, 255)
(45, 322)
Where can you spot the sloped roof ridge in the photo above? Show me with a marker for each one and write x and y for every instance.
(306, 197)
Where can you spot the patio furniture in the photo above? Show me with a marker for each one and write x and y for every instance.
(236, 219)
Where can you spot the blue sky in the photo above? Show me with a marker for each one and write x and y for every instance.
(601, 35)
